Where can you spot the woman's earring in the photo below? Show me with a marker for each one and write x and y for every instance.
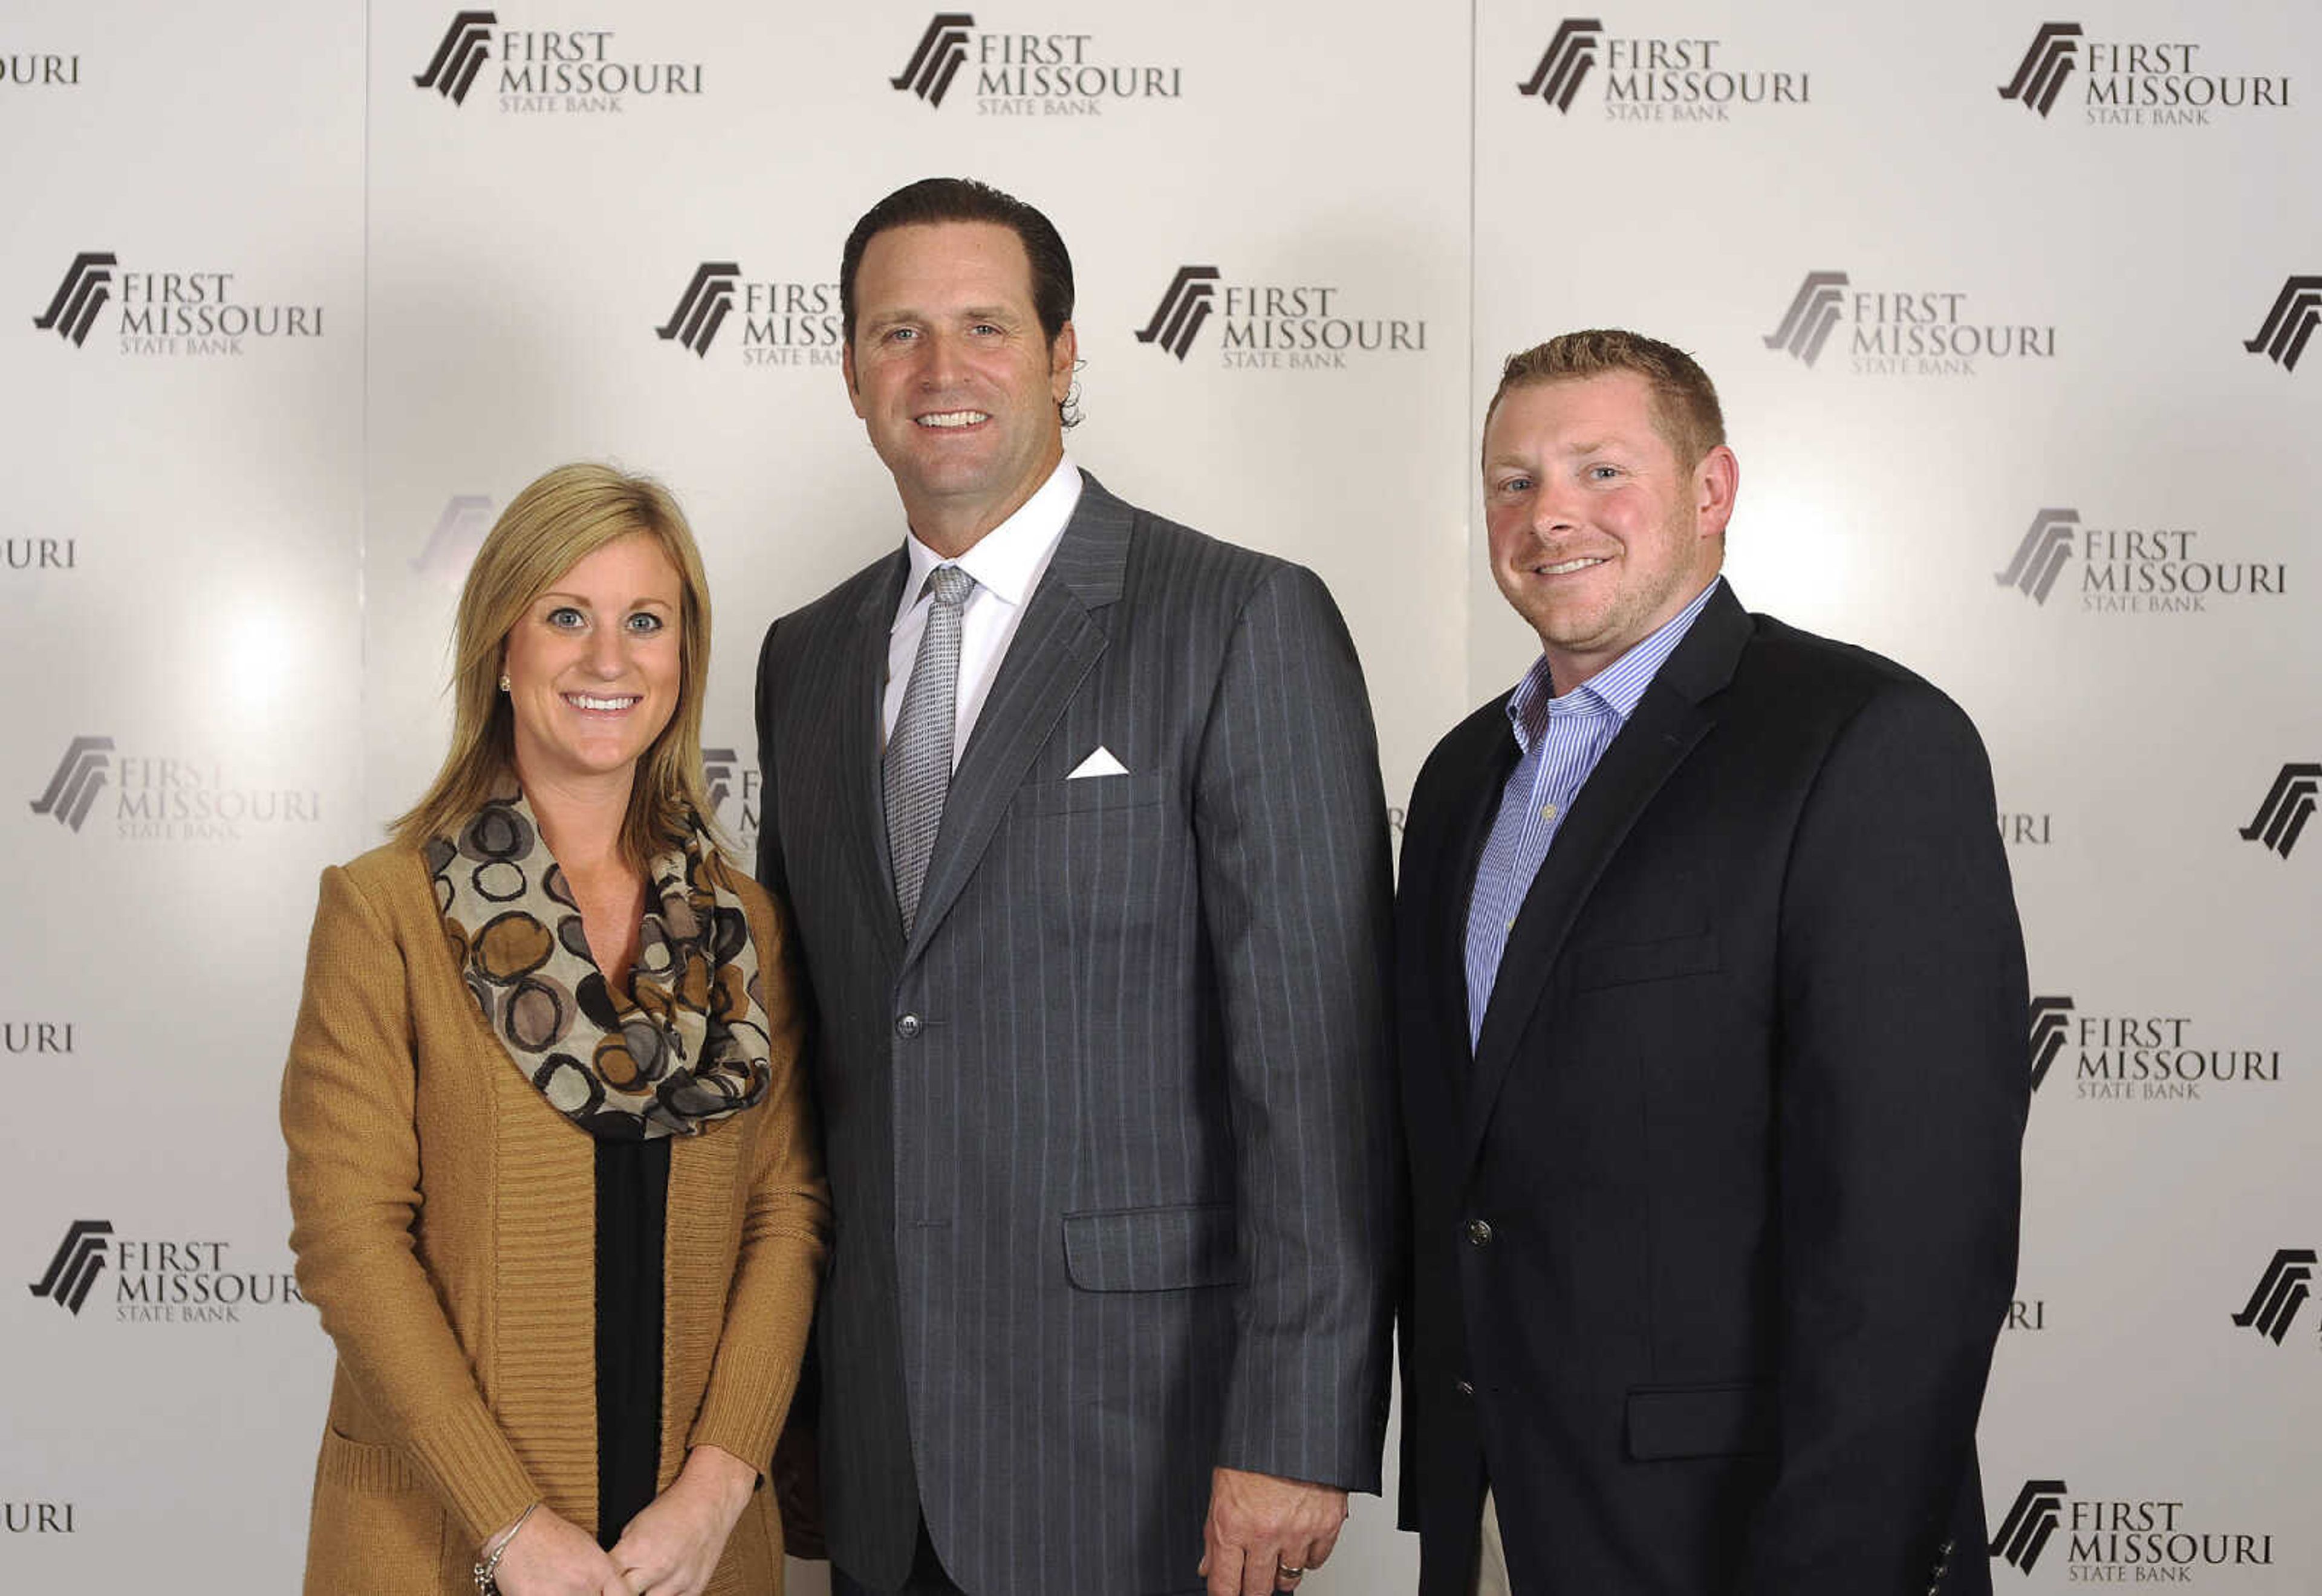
(504, 681)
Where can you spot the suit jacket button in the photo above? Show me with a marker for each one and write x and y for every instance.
(1479, 1232)
(1464, 1389)
(907, 1026)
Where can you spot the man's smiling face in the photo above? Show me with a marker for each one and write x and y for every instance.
(952, 377)
(1598, 534)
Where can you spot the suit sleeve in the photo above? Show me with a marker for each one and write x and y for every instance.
(1902, 1092)
(348, 1101)
(1290, 823)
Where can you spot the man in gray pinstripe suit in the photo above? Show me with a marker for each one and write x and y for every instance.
(1078, 814)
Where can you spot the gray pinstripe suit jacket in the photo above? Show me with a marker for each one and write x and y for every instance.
(1111, 1138)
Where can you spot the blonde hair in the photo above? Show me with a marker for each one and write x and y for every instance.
(560, 519)
(1686, 412)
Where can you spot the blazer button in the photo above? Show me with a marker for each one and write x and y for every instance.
(1464, 1389)
(1479, 1232)
(907, 1026)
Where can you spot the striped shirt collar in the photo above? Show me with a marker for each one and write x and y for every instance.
(1617, 689)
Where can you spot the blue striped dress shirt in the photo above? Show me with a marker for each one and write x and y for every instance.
(1561, 740)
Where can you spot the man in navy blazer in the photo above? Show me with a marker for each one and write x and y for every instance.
(1712, 1007)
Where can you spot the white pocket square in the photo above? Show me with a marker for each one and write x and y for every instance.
(1100, 763)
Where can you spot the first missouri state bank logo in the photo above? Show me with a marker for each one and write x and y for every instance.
(2115, 1054)
(2118, 1540)
(2040, 76)
(732, 782)
(2287, 806)
(702, 308)
(157, 1280)
(2281, 1291)
(2133, 82)
(86, 286)
(1017, 72)
(2135, 570)
(1909, 331)
(937, 58)
(164, 798)
(1184, 305)
(467, 45)
(2051, 1024)
(1570, 52)
(2025, 1533)
(2041, 554)
(1274, 326)
(79, 1260)
(1660, 77)
(168, 312)
(80, 776)
(572, 71)
(784, 322)
(2290, 324)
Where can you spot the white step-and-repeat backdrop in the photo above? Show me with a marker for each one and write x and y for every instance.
(2012, 318)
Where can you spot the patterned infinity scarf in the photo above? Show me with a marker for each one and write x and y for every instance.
(686, 1045)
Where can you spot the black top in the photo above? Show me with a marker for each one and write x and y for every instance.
(632, 1215)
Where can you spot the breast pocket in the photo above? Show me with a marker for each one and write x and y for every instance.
(1617, 964)
(1088, 793)
(1106, 854)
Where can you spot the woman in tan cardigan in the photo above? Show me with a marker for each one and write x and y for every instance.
(552, 1168)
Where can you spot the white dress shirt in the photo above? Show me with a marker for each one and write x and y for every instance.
(1007, 563)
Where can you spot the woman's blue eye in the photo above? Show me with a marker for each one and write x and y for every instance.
(646, 621)
(566, 618)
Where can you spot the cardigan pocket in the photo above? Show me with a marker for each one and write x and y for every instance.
(362, 1466)
(377, 1529)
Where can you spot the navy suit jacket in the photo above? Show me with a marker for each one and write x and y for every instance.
(1714, 1233)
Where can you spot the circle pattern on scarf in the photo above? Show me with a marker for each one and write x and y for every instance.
(683, 1042)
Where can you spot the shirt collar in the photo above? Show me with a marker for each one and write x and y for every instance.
(1007, 561)
(1617, 689)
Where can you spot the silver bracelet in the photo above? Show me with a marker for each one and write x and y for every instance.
(486, 1582)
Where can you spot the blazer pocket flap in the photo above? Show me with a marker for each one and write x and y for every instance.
(1088, 792)
(1622, 964)
(1162, 1249)
(1701, 1421)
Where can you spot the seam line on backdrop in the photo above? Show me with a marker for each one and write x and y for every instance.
(363, 493)
(1465, 588)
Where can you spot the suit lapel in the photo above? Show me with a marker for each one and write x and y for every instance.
(1054, 646)
(1669, 720)
(862, 685)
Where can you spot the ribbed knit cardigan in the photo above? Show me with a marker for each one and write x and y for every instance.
(444, 1223)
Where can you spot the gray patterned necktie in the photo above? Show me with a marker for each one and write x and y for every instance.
(918, 756)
